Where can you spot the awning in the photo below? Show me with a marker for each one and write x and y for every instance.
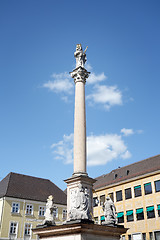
(102, 218)
(150, 208)
(158, 207)
(128, 213)
(147, 184)
(120, 214)
(137, 187)
(140, 210)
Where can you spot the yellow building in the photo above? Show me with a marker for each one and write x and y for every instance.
(135, 190)
(22, 205)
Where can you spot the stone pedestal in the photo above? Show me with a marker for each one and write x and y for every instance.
(80, 231)
(79, 197)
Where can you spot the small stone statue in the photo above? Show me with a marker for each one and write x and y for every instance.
(80, 56)
(109, 212)
(49, 217)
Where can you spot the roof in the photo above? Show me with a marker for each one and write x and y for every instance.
(128, 172)
(30, 188)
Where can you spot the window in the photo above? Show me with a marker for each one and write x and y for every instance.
(120, 217)
(150, 212)
(137, 191)
(27, 231)
(147, 188)
(150, 235)
(119, 195)
(29, 209)
(140, 214)
(123, 237)
(102, 219)
(41, 210)
(127, 172)
(111, 196)
(128, 193)
(129, 215)
(102, 200)
(13, 230)
(158, 208)
(137, 236)
(157, 235)
(96, 220)
(95, 201)
(55, 213)
(129, 237)
(15, 207)
(143, 236)
(157, 186)
(64, 213)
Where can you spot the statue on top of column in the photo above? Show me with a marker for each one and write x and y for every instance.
(80, 56)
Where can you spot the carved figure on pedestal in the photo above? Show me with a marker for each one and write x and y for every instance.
(109, 212)
(80, 56)
(49, 217)
(80, 204)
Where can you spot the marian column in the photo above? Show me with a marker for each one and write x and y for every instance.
(79, 186)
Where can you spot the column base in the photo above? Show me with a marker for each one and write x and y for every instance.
(79, 197)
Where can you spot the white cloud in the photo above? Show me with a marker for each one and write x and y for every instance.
(88, 66)
(107, 95)
(126, 155)
(63, 150)
(127, 132)
(61, 83)
(140, 131)
(100, 149)
(94, 79)
(104, 148)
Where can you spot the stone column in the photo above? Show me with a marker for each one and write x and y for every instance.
(79, 186)
(80, 74)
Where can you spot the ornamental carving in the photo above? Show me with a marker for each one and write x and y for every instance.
(80, 204)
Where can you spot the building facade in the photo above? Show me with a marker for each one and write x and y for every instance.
(23, 202)
(135, 191)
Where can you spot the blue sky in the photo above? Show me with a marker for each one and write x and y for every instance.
(37, 44)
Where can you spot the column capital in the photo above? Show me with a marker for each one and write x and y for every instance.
(80, 74)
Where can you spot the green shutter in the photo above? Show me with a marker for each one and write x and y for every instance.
(128, 213)
(140, 210)
(147, 184)
(102, 218)
(158, 207)
(120, 214)
(137, 187)
(150, 209)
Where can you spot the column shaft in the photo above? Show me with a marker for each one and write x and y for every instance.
(79, 129)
